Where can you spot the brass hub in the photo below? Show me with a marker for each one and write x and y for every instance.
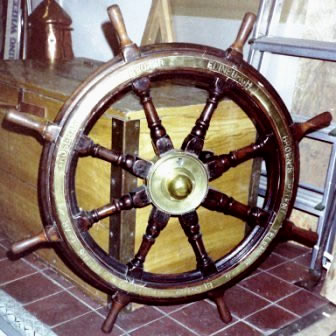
(180, 186)
(177, 183)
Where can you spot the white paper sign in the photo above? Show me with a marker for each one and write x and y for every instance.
(13, 30)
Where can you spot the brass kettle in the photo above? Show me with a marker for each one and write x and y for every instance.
(49, 33)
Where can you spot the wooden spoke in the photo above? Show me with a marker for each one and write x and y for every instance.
(134, 165)
(191, 227)
(194, 142)
(156, 223)
(217, 165)
(136, 199)
(220, 202)
(160, 139)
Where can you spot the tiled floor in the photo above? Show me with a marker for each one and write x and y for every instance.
(266, 303)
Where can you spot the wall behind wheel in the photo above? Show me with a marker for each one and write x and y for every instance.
(92, 30)
(90, 21)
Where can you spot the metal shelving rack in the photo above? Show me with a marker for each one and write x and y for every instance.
(310, 199)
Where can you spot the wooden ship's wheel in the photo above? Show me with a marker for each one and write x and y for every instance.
(176, 182)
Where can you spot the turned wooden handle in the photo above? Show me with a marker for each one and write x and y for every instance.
(27, 244)
(223, 310)
(119, 25)
(302, 236)
(27, 121)
(244, 32)
(314, 124)
(47, 130)
(48, 235)
(119, 301)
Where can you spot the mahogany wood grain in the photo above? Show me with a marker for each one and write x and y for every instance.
(194, 142)
(320, 121)
(218, 201)
(244, 32)
(156, 223)
(118, 23)
(160, 139)
(136, 199)
(49, 234)
(119, 301)
(192, 229)
(134, 165)
(218, 165)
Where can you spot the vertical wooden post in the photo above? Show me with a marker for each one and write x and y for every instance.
(159, 27)
(125, 139)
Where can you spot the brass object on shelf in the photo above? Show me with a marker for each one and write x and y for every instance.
(50, 33)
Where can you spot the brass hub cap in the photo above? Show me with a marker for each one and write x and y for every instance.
(177, 183)
(180, 186)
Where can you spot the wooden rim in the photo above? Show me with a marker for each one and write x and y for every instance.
(247, 88)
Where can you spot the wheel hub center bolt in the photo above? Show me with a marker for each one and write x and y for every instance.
(180, 186)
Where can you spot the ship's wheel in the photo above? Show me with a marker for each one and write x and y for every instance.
(176, 182)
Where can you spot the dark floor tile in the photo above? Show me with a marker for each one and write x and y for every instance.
(271, 319)
(87, 325)
(57, 308)
(253, 273)
(33, 259)
(201, 316)
(243, 303)
(36, 261)
(171, 308)
(239, 329)
(272, 261)
(131, 320)
(85, 298)
(3, 236)
(268, 286)
(3, 253)
(290, 250)
(304, 259)
(103, 311)
(290, 271)
(6, 244)
(31, 288)
(318, 288)
(11, 270)
(57, 278)
(302, 302)
(162, 327)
